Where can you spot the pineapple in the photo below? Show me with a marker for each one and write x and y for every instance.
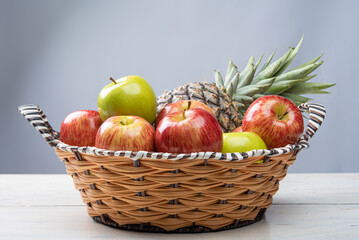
(230, 97)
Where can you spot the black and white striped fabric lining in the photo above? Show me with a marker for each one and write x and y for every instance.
(316, 117)
(37, 119)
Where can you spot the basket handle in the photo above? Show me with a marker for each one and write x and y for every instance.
(38, 120)
(316, 117)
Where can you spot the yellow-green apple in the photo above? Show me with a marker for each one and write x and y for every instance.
(130, 133)
(79, 128)
(179, 107)
(130, 95)
(238, 129)
(242, 142)
(275, 119)
(194, 130)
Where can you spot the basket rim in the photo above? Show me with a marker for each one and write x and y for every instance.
(134, 155)
(37, 118)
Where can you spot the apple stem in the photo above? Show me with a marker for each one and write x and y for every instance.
(113, 80)
(122, 123)
(189, 104)
(281, 117)
(183, 115)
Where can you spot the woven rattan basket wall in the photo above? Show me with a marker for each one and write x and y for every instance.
(164, 192)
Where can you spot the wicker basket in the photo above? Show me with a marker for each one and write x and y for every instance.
(164, 192)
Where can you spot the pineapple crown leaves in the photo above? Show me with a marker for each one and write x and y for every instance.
(247, 85)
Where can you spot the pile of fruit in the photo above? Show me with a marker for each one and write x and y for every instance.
(242, 112)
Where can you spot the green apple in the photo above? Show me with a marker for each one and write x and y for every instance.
(242, 142)
(130, 95)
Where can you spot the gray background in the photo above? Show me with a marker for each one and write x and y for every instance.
(59, 54)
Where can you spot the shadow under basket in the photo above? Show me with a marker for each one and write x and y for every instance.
(180, 193)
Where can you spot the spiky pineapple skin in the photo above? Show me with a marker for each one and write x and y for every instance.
(209, 94)
(230, 97)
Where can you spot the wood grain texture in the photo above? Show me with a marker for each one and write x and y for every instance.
(38, 190)
(281, 222)
(312, 206)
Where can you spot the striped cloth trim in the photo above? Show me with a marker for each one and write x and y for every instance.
(38, 120)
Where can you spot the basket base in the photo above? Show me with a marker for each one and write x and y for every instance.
(193, 229)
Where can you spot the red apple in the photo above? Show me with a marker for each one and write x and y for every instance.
(79, 128)
(130, 133)
(194, 130)
(238, 129)
(275, 119)
(179, 107)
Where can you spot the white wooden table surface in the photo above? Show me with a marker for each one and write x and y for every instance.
(307, 206)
